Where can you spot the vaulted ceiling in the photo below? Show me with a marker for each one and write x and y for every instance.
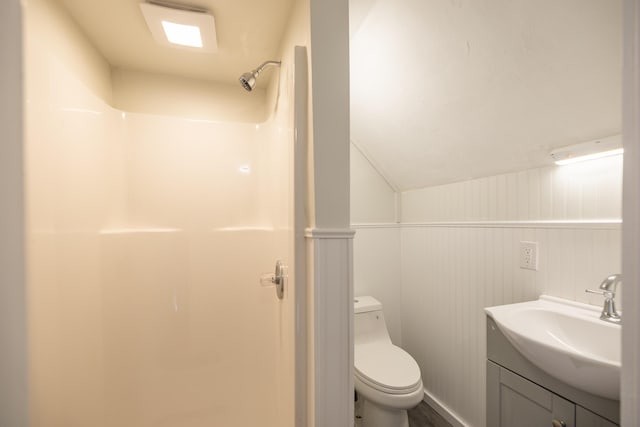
(441, 90)
(447, 90)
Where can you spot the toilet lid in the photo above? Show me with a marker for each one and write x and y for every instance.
(386, 367)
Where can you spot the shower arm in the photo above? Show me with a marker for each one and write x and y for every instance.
(264, 65)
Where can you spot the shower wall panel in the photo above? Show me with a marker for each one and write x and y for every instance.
(182, 291)
(74, 169)
(69, 185)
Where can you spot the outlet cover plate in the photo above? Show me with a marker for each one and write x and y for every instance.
(529, 255)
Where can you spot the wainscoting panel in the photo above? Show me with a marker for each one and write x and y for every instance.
(449, 274)
(330, 319)
(589, 190)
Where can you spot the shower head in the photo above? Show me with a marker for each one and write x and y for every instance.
(248, 80)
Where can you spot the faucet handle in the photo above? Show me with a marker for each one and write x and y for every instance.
(608, 290)
(606, 293)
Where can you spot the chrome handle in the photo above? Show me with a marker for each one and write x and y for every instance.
(609, 312)
(556, 423)
(606, 294)
(278, 279)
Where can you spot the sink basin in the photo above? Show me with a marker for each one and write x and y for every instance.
(565, 339)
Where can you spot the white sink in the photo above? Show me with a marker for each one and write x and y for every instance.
(565, 339)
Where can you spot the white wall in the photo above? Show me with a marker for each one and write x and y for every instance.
(48, 24)
(329, 26)
(460, 247)
(376, 246)
(373, 200)
(376, 270)
(13, 346)
(141, 92)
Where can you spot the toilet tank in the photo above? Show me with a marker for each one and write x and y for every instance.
(369, 325)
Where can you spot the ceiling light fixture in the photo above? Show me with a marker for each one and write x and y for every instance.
(181, 26)
(184, 35)
(590, 150)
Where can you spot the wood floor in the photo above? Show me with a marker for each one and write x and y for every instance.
(420, 416)
(425, 416)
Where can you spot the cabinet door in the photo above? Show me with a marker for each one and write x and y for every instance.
(525, 404)
(585, 418)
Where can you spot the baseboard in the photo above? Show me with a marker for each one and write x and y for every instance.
(450, 416)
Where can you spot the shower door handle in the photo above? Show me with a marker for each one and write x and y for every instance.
(278, 279)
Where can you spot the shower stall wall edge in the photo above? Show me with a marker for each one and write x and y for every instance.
(13, 336)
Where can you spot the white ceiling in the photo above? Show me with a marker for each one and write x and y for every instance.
(249, 32)
(444, 91)
(441, 90)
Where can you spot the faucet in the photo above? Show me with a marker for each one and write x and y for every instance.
(608, 290)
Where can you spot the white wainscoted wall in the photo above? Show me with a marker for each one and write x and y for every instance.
(458, 253)
(460, 245)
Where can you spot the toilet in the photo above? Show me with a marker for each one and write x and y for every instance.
(387, 379)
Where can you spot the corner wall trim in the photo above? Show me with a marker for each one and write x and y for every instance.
(376, 167)
(586, 224)
(376, 225)
(596, 224)
(329, 233)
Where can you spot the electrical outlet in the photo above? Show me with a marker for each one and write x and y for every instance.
(529, 255)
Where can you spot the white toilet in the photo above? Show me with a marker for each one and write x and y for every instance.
(387, 378)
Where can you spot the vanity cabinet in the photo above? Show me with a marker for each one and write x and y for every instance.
(586, 418)
(521, 395)
(517, 402)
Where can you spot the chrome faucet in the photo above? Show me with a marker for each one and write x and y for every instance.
(608, 290)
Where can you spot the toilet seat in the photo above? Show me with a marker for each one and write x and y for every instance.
(387, 368)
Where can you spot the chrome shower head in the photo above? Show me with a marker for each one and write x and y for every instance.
(248, 80)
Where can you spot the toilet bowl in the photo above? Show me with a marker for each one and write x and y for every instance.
(387, 379)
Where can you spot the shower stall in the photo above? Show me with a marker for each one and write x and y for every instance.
(151, 245)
